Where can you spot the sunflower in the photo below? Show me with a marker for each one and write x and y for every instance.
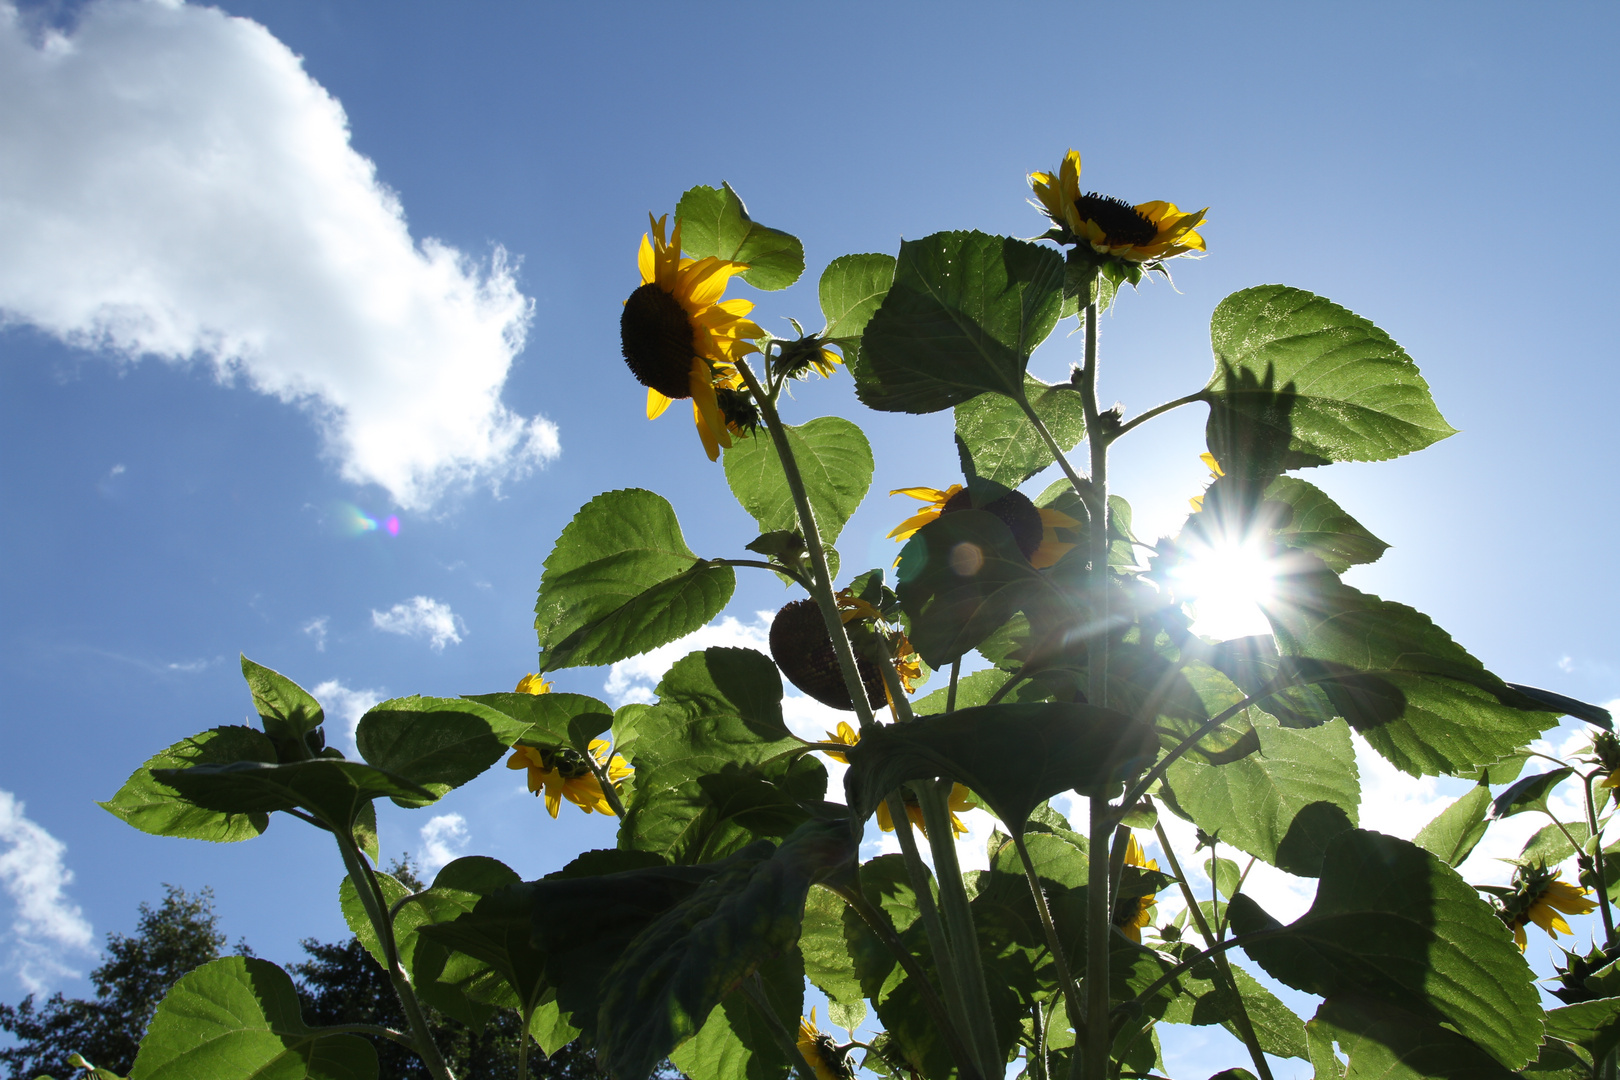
(680, 339)
(1132, 913)
(1215, 473)
(1147, 232)
(1034, 528)
(1539, 899)
(960, 799)
(820, 1052)
(846, 735)
(533, 684)
(564, 774)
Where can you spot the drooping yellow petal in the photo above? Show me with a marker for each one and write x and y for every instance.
(928, 494)
(553, 800)
(656, 403)
(909, 526)
(706, 413)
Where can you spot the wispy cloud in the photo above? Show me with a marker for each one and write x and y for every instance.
(347, 706)
(178, 186)
(46, 926)
(444, 839)
(421, 616)
(316, 630)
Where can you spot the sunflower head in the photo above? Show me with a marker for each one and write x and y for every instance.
(1122, 238)
(533, 684)
(682, 340)
(959, 801)
(809, 352)
(1537, 896)
(821, 1053)
(801, 648)
(1137, 895)
(1034, 529)
(844, 734)
(562, 772)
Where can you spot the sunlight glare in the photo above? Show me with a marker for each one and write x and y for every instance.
(1226, 584)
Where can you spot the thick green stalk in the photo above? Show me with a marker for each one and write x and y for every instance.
(1071, 990)
(524, 1038)
(1244, 1024)
(371, 898)
(933, 927)
(1602, 875)
(959, 926)
(822, 588)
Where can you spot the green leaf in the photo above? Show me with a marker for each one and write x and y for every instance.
(664, 985)
(715, 222)
(1392, 922)
(287, 710)
(437, 743)
(851, 289)
(460, 984)
(620, 581)
(1529, 793)
(1003, 445)
(971, 690)
(332, 790)
(961, 578)
(1307, 520)
(1013, 756)
(1283, 804)
(1451, 836)
(1384, 1042)
(1592, 1025)
(1417, 696)
(495, 931)
(835, 463)
(554, 719)
(1225, 874)
(1550, 846)
(155, 808)
(716, 706)
(964, 313)
(688, 812)
(734, 1043)
(827, 961)
(238, 1019)
(1353, 394)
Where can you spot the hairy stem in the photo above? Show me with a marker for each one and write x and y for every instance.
(609, 793)
(950, 692)
(933, 927)
(1071, 990)
(821, 588)
(371, 898)
(1603, 879)
(1244, 1024)
(1158, 410)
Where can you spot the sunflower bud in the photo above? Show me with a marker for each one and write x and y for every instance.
(801, 648)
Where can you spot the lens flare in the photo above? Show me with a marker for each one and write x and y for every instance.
(1226, 583)
(353, 521)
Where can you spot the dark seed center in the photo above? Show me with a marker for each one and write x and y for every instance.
(1121, 222)
(1016, 512)
(569, 763)
(656, 336)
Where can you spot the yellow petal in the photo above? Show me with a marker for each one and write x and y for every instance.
(1057, 519)
(553, 800)
(912, 524)
(706, 414)
(928, 494)
(656, 404)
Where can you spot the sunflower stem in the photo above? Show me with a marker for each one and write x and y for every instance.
(608, 791)
(1602, 875)
(1159, 410)
(1244, 1024)
(371, 898)
(1071, 990)
(523, 1049)
(822, 588)
(950, 693)
(959, 926)
(1099, 921)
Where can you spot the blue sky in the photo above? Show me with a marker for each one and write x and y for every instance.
(219, 345)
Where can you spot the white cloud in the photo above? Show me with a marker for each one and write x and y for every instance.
(45, 922)
(444, 839)
(176, 185)
(421, 616)
(316, 629)
(346, 705)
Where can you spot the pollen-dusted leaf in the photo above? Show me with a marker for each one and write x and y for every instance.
(851, 289)
(961, 578)
(664, 985)
(554, 719)
(1529, 793)
(715, 222)
(1392, 922)
(287, 709)
(1013, 756)
(1384, 1042)
(1456, 829)
(835, 463)
(1310, 521)
(155, 808)
(1003, 445)
(438, 743)
(964, 313)
(1283, 803)
(620, 581)
(1353, 393)
(331, 789)
(238, 1018)
(1416, 695)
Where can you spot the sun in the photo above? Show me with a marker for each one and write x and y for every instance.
(1226, 583)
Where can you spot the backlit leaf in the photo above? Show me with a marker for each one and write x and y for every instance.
(158, 809)
(835, 463)
(715, 222)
